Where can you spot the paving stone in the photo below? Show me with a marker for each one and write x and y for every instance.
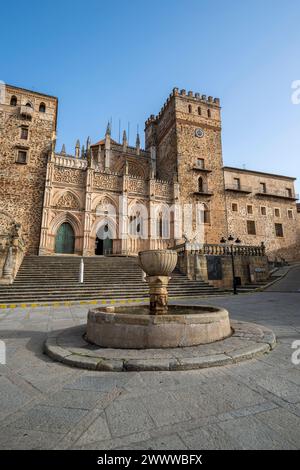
(99, 382)
(283, 422)
(50, 418)
(251, 433)
(12, 397)
(23, 439)
(207, 438)
(97, 431)
(127, 416)
(170, 442)
(75, 399)
(164, 409)
(115, 443)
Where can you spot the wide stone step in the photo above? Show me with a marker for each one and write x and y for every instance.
(42, 279)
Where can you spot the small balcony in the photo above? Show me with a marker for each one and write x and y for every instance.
(288, 195)
(26, 111)
(204, 191)
(238, 188)
(201, 169)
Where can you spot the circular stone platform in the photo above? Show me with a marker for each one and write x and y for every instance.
(133, 328)
(247, 341)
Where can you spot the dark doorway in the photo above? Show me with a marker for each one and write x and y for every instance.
(103, 244)
(99, 246)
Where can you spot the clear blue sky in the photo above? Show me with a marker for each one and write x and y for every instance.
(121, 59)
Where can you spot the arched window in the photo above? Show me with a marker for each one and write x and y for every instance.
(135, 224)
(199, 110)
(206, 215)
(209, 113)
(13, 101)
(160, 225)
(200, 184)
(29, 105)
(190, 108)
(42, 108)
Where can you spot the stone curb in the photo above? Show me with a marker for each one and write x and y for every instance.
(254, 346)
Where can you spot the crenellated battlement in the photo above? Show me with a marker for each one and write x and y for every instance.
(189, 96)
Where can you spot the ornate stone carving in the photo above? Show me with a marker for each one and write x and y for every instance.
(68, 201)
(163, 189)
(69, 175)
(106, 181)
(138, 186)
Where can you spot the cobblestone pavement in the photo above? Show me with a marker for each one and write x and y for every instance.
(251, 405)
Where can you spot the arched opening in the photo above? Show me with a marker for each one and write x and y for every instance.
(65, 239)
(103, 242)
(209, 113)
(190, 108)
(199, 110)
(42, 108)
(29, 105)
(200, 184)
(13, 101)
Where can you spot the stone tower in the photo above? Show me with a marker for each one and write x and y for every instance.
(27, 132)
(185, 138)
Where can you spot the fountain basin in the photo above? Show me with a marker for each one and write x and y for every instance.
(133, 327)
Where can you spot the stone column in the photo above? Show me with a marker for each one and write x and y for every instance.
(44, 248)
(87, 211)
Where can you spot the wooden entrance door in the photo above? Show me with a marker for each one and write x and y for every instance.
(65, 239)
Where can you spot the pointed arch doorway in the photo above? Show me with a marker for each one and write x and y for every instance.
(104, 243)
(65, 239)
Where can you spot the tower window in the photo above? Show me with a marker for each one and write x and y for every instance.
(42, 108)
(13, 101)
(206, 215)
(200, 185)
(250, 209)
(234, 207)
(277, 212)
(200, 163)
(237, 183)
(199, 110)
(288, 192)
(290, 213)
(263, 210)
(251, 227)
(209, 113)
(22, 156)
(24, 133)
(190, 108)
(263, 187)
(278, 230)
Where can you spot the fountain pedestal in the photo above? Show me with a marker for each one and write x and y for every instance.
(158, 289)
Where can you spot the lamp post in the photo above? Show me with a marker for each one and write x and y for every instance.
(231, 240)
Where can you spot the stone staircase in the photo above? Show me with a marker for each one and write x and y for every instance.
(50, 279)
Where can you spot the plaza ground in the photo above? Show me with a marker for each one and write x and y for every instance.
(250, 405)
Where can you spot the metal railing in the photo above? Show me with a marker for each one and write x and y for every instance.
(283, 194)
(241, 188)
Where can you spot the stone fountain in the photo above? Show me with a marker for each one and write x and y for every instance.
(158, 325)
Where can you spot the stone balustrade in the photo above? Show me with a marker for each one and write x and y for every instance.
(70, 162)
(221, 249)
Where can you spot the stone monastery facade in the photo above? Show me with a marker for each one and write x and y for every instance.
(64, 203)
